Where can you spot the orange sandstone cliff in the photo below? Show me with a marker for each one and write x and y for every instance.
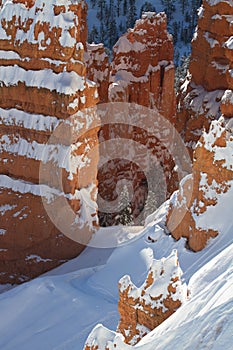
(203, 94)
(42, 83)
(206, 96)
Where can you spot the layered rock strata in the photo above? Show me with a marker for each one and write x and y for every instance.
(142, 309)
(42, 83)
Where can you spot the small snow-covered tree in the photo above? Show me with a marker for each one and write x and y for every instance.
(157, 189)
(181, 71)
(124, 216)
(131, 14)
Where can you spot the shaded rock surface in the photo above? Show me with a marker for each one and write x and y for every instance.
(142, 73)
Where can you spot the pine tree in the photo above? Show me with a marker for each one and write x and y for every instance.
(112, 28)
(131, 14)
(93, 35)
(124, 209)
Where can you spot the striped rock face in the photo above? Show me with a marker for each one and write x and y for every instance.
(43, 87)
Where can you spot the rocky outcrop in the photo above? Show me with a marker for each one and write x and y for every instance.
(144, 308)
(142, 73)
(98, 69)
(206, 95)
(203, 94)
(142, 69)
(206, 191)
(42, 83)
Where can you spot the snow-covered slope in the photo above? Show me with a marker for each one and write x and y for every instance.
(58, 310)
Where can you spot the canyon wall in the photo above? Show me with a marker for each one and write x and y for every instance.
(206, 95)
(203, 94)
(42, 84)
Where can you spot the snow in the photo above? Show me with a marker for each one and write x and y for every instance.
(202, 101)
(37, 258)
(45, 191)
(61, 155)
(215, 2)
(124, 45)
(229, 43)
(223, 154)
(68, 83)
(26, 120)
(162, 272)
(68, 302)
(44, 14)
(212, 42)
(2, 231)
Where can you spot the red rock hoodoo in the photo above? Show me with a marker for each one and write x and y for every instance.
(206, 95)
(98, 69)
(142, 73)
(142, 70)
(42, 83)
(142, 309)
(203, 94)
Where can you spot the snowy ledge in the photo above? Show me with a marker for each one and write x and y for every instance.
(61, 155)
(41, 12)
(68, 83)
(47, 192)
(26, 120)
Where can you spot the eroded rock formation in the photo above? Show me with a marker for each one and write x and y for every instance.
(203, 94)
(98, 69)
(142, 69)
(202, 194)
(42, 83)
(206, 95)
(144, 308)
(142, 73)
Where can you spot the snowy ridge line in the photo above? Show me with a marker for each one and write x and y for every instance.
(44, 14)
(26, 120)
(67, 83)
(41, 190)
(61, 155)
